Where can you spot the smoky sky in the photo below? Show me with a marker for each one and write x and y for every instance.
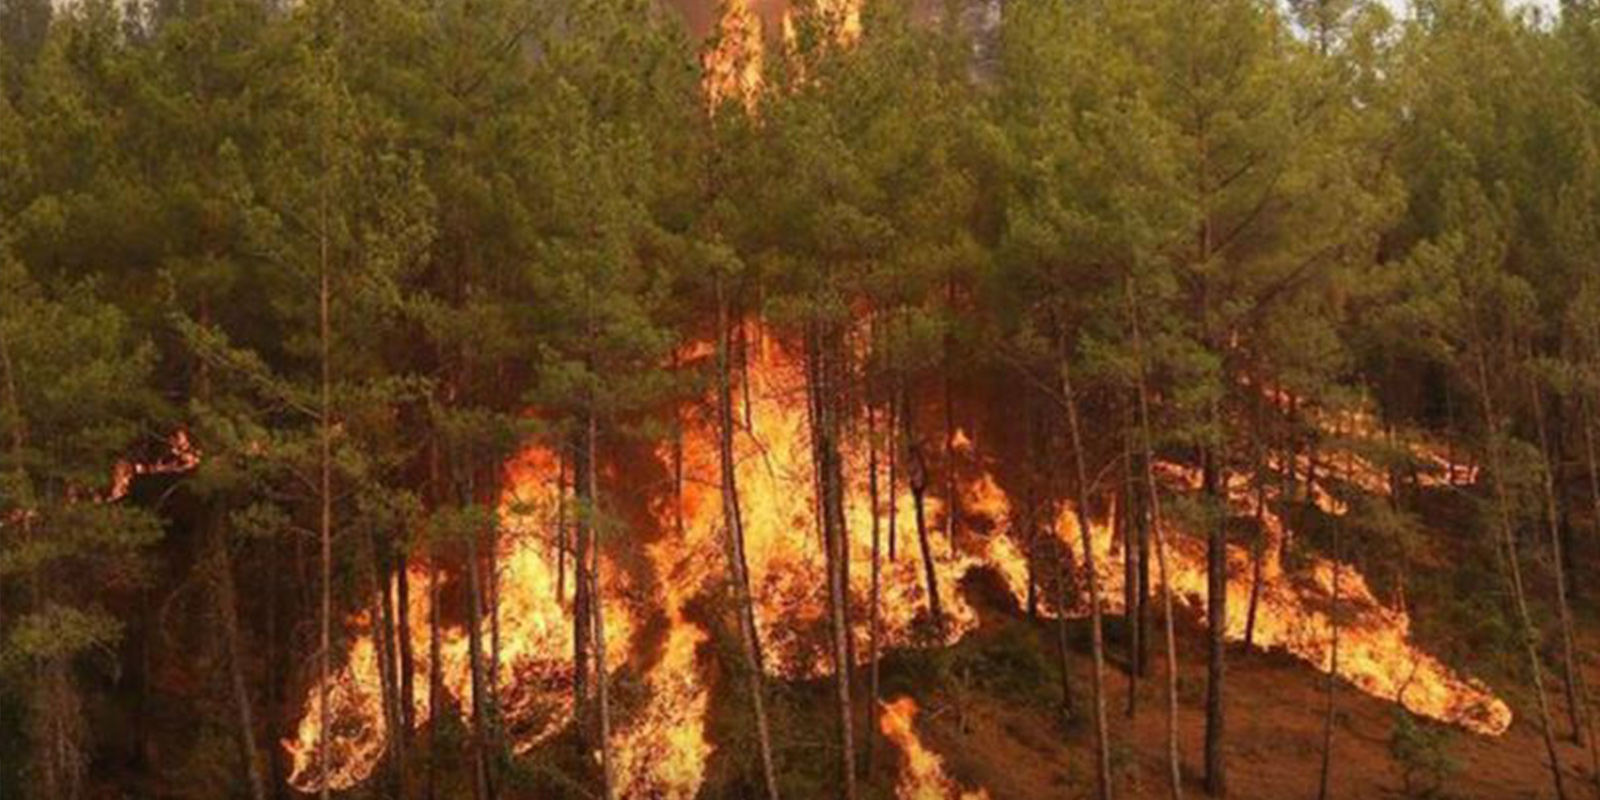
(700, 15)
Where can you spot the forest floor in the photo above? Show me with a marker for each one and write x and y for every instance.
(1275, 715)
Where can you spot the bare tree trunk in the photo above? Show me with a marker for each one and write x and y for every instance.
(749, 634)
(917, 479)
(891, 433)
(874, 611)
(408, 664)
(1063, 554)
(325, 435)
(481, 782)
(1153, 496)
(952, 497)
(435, 674)
(824, 347)
(1217, 624)
(1513, 564)
(561, 528)
(436, 496)
(874, 621)
(228, 618)
(491, 592)
(1257, 556)
(407, 655)
(1594, 493)
(1030, 506)
(276, 782)
(1570, 677)
(435, 639)
(1333, 671)
(1132, 602)
(597, 608)
(18, 440)
(382, 619)
(582, 616)
(1102, 744)
(397, 734)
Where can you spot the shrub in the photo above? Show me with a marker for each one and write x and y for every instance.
(1422, 751)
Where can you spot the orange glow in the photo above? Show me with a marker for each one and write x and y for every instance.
(922, 771)
(661, 746)
(732, 69)
(536, 645)
(181, 456)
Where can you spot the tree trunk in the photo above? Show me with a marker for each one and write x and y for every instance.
(1132, 608)
(1333, 671)
(17, 437)
(582, 616)
(739, 575)
(917, 479)
(1102, 744)
(596, 605)
(1593, 470)
(1153, 497)
(325, 435)
(1030, 506)
(562, 545)
(1063, 555)
(952, 497)
(824, 347)
(1217, 624)
(891, 433)
(481, 782)
(1258, 548)
(874, 620)
(435, 674)
(1513, 564)
(382, 616)
(276, 781)
(408, 663)
(491, 593)
(228, 618)
(1570, 677)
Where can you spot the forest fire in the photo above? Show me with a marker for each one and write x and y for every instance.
(662, 749)
(732, 68)
(797, 399)
(1294, 613)
(535, 653)
(922, 775)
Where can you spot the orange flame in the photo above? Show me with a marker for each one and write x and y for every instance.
(922, 773)
(731, 70)
(662, 748)
(536, 646)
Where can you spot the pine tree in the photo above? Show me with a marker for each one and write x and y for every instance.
(75, 384)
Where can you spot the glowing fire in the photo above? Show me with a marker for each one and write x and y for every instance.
(536, 645)
(1375, 653)
(661, 746)
(181, 456)
(731, 70)
(922, 773)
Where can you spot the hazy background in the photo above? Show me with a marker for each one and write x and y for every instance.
(701, 13)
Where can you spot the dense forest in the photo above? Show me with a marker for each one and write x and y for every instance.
(835, 399)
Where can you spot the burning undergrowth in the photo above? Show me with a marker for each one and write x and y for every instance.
(659, 578)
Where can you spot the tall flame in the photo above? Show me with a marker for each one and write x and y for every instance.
(661, 746)
(536, 674)
(731, 69)
(922, 774)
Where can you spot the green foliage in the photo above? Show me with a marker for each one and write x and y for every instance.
(1422, 751)
(505, 205)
